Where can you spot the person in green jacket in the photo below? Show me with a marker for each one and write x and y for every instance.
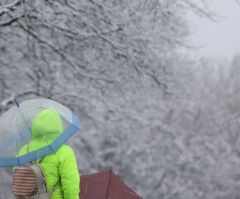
(59, 167)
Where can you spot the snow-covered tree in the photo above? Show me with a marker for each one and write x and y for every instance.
(117, 64)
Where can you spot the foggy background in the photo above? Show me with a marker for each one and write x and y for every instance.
(155, 83)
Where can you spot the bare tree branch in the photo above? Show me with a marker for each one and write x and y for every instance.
(200, 11)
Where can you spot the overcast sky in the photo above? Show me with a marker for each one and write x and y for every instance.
(222, 38)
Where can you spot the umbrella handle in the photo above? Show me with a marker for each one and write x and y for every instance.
(16, 102)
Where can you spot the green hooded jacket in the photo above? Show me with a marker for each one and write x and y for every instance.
(60, 166)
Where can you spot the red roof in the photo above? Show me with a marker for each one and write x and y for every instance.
(105, 185)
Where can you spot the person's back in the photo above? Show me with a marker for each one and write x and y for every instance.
(60, 168)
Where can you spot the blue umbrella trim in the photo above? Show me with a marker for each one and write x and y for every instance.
(53, 147)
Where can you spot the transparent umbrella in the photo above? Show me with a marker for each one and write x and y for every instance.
(33, 129)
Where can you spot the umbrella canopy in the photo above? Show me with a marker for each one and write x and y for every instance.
(34, 129)
(104, 185)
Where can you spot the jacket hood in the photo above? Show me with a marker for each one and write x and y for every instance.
(47, 124)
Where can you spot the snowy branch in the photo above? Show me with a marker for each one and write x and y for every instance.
(63, 55)
(10, 7)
